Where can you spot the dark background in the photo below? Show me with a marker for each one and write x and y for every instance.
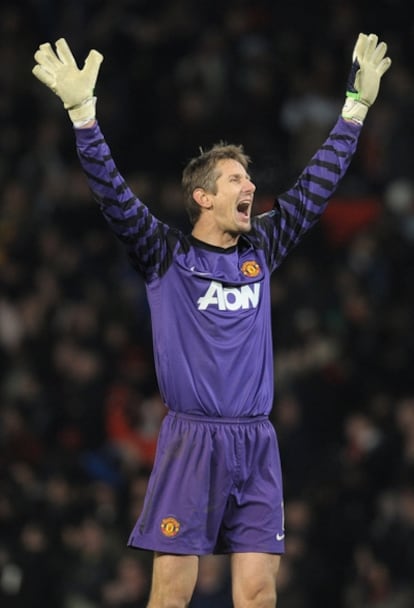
(79, 405)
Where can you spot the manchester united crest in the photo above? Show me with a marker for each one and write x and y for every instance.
(250, 268)
(170, 526)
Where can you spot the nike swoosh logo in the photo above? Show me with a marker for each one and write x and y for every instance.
(280, 536)
(202, 274)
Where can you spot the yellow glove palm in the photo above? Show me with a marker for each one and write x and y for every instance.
(73, 86)
(369, 64)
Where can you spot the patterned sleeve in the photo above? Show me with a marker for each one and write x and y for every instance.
(298, 209)
(145, 238)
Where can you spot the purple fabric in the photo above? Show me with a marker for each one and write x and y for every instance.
(210, 308)
(216, 487)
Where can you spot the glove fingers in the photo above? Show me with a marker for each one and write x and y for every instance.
(371, 46)
(92, 64)
(46, 56)
(44, 76)
(64, 52)
(379, 53)
(383, 66)
(359, 48)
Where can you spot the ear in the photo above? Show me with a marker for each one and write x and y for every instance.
(202, 198)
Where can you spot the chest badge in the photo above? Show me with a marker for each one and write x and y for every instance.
(250, 268)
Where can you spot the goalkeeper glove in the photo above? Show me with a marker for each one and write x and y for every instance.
(369, 64)
(73, 86)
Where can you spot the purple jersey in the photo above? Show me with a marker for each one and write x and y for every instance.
(210, 307)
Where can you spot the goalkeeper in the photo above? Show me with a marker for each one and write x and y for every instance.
(216, 484)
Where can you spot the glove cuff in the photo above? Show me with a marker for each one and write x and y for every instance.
(354, 109)
(83, 113)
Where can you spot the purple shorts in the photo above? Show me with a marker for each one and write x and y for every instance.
(216, 487)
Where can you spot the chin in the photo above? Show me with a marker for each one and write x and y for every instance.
(240, 228)
(243, 228)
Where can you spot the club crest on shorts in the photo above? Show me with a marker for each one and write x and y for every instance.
(250, 268)
(170, 526)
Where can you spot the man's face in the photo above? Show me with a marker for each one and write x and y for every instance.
(231, 205)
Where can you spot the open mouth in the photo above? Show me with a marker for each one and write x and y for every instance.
(243, 208)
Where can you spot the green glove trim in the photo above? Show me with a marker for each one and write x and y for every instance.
(352, 95)
(369, 64)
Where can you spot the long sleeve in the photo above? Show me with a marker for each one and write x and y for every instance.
(298, 209)
(148, 241)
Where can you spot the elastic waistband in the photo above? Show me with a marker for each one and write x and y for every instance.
(217, 419)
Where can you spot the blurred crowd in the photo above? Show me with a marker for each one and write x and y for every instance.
(79, 404)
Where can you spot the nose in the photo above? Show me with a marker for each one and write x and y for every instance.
(249, 186)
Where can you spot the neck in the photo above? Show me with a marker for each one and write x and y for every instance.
(215, 237)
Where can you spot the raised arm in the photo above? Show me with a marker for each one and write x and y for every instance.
(298, 209)
(146, 239)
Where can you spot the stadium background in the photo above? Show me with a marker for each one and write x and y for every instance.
(79, 407)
